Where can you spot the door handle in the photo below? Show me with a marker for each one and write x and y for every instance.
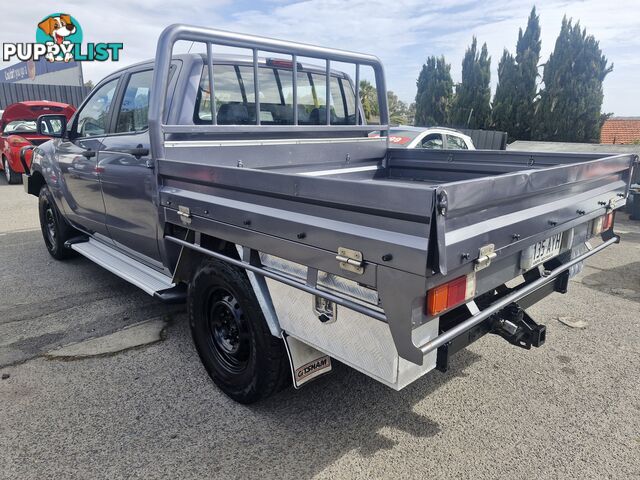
(89, 153)
(137, 152)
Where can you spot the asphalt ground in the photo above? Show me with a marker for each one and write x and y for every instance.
(570, 409)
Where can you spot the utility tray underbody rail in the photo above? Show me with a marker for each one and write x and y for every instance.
(402, 336)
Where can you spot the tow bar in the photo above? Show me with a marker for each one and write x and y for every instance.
(511, 323)
(518, 328)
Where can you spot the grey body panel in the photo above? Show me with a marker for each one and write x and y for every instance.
(81, 183)
(129, 189)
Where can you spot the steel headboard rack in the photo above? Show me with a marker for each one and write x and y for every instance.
(211, 37)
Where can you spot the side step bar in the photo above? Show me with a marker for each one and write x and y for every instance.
(143, 277)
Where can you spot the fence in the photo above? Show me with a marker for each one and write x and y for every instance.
(20, 92)
(487, 139)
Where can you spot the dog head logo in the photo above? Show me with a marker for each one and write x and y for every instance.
(59, 29)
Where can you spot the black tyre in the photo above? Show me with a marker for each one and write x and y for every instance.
(55, 230)
(11, 176)
(231, 335)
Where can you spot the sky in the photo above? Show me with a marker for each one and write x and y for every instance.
(402, 33)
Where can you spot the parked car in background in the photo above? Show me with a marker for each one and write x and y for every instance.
(18, 130)
(430, 138)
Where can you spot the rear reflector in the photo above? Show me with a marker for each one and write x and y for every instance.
(453, 293)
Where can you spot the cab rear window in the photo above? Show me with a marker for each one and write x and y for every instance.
(235, 97)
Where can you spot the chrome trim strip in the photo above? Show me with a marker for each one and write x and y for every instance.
(336, 171)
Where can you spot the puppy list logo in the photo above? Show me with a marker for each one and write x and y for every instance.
(59, 39)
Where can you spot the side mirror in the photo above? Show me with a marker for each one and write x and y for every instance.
(52, 125)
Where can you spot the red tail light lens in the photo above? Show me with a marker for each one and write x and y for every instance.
(453, 293)
(602, 224)
(16, 141)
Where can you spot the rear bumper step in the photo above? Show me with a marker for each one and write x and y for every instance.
(125, 267)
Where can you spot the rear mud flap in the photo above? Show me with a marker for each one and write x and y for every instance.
(306, 362)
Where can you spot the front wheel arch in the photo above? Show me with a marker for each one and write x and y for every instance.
(55, 229)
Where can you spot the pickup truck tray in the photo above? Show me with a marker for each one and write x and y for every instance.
(409, 231)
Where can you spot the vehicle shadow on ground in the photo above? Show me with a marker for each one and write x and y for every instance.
(314, 427)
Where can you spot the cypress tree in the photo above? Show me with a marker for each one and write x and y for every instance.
(513, 104)
(527, 59)
(506, 97)
(571, 101)
(472, 102)
(435, 91)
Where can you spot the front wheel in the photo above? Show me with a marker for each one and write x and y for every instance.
(11, 176)
(55, 230)
(231, 335)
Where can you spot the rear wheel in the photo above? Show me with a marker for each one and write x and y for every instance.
(11, 176)
(55, 230)
(231, 335)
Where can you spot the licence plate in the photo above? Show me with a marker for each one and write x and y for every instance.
(541, 252)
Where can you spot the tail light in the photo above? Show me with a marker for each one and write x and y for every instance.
(602, 224)
(450, 294)
(16, 141)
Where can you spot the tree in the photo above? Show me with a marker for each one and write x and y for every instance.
(369, 100)
(411, 113)
(472, 102)
(506, 97)
(89, 84)
(435, 93)
(397, 109)
(513, 104)
(527, 58)
(570, 104)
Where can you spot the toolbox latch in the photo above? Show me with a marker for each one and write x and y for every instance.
(486, 254)
(350, 260)
(185, 214)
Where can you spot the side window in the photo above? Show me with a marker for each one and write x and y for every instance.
(92, 119)
(456, 143)
(432, 141)
(350, 100)
(134, 110)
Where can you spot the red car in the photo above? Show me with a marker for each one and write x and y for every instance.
(18, 129)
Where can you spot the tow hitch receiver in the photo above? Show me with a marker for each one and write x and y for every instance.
(518, 328)
(512, 323)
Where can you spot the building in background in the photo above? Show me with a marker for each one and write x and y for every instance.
(621, 130)
(42, 72)
(42, 80)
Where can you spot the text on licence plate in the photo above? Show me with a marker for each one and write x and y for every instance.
(541, 251)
